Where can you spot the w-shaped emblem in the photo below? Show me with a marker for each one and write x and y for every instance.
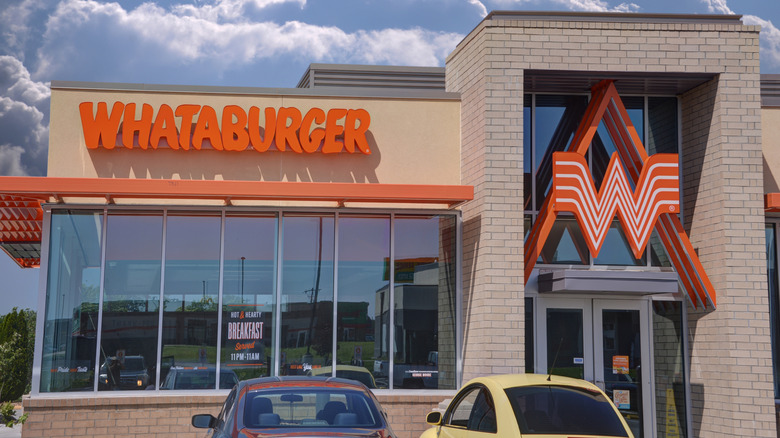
(657, 192)
(653, 205)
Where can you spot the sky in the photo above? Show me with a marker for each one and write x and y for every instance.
(247, 43)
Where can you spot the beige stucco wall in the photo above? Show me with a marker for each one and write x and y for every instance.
(413, 141)
(770, 143)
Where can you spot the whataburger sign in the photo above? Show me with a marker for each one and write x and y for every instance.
(235, 129)
(654, 204)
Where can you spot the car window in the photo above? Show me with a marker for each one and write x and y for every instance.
(310, 407)
(473, 410)
(564, 410)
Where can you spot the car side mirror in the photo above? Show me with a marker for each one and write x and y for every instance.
(433, 418)
(203, 421)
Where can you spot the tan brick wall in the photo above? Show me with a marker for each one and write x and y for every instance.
(128, 416)
(731, 372)
(114, 417)
(491, 156)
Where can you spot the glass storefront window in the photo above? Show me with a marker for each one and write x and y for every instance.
(191, 297)
(565, 244)
(72, 298)
(165, 275)
(528, 167)
(555, 121)
(363, 280)
(669, 368)
(131, 302)
(248, 291)
(662, 133)
(616, 250)
(565, 345)
(774, 299)
(424, 302)
(307, 294)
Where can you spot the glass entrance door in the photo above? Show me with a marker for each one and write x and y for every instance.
(604, 341)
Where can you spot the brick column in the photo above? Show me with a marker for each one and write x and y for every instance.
(731, 352)
(491, 156)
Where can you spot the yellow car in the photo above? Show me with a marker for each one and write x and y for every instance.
(520, 405)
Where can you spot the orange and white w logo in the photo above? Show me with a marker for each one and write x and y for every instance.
(657, 192)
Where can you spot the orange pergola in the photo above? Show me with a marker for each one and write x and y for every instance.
(21, 215)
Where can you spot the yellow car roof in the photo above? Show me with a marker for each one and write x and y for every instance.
(514, 380)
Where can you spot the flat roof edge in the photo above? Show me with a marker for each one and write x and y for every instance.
(632, 17)
(346, 92)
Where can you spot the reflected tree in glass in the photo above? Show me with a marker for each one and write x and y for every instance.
(248, 293)
(191, 296)
(307, 293)
(131, 301)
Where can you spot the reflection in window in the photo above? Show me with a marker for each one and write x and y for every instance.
(565, 348)
(307, 294)
(774, 300)
(669, 367)
(565, 244)
(616, 250)
(131, 301)
(72, 296)
(527, 155)
(662, 135)
(182, 251)
(191, 293)
(658, 255)
(362, 322)
(555, 121)
(248, 293)
(603, 146)
(424, 306)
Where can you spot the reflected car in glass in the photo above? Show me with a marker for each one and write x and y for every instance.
(198, 378)
(298, 406)
(361, 374)
(128, 372)
(519, 405)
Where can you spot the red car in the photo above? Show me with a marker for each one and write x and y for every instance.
(298, 406)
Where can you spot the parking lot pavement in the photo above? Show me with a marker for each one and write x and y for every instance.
(12, 432)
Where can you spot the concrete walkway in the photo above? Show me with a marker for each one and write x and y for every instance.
(12, 432)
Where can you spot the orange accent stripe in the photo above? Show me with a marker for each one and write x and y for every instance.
(772, 202)
(44, 188)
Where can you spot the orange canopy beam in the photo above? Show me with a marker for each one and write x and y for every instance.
(21, 215)
(772, 202)
(50, 187)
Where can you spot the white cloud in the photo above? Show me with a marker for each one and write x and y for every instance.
(482, 9)
(770, 35)
(227, 9)
(11, 160)
(718, 6)
(24, 107)
(15, 31)
(85, 35)
(769, 40)
(580, 5)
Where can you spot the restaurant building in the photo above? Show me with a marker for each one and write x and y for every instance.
(593, 195)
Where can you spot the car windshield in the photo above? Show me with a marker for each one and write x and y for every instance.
(360, 376)
(134, 364)
(564, 410)
(310, 408)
